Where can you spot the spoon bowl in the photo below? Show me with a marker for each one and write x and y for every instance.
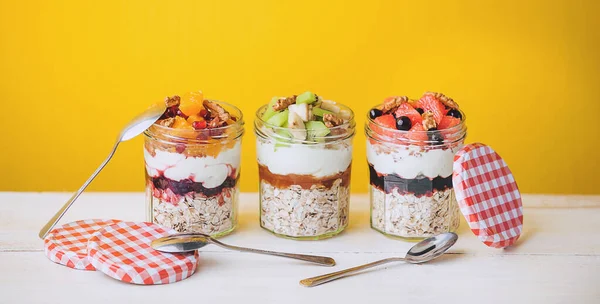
(424, 251)
(134, 128)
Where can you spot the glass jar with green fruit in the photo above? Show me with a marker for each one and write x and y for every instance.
(304, 153)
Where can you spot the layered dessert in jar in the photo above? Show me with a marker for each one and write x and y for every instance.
(304, 152)
(192, 155)
(410, 152)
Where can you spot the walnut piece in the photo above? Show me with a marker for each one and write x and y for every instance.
(428, 121)
(284, 102)
(445, 100)
(218, 113)
(172, 101)
(167, 122)
(332, 120)
(393, 103)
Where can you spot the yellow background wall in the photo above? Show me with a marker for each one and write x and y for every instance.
(73, 72)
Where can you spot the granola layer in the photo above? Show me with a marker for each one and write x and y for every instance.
(195, 212)
(411, 216)
(296, 211)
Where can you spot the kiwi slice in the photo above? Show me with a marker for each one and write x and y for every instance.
(269, 112)
(320, 112)
(279, 118)
(306, 97)
(283, 138)
(316, 130)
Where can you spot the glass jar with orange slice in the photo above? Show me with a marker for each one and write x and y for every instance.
(192, 157)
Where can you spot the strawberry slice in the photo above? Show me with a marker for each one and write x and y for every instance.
(407, 110)
(430, 103)
(448, 122)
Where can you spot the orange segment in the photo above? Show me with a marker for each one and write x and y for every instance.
(191, 103)
(181, 123)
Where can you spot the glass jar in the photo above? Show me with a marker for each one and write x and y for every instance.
(192, 176)
(410, 172)
(304, 185)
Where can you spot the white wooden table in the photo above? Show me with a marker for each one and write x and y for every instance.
(557, 260)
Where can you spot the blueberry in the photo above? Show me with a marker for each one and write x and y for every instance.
(455, 113)
(435, 137)
(403, 123)
(374, 113)
(420, 110)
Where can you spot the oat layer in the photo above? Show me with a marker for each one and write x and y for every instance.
(304, 213)
(409, 216)
(194, 212)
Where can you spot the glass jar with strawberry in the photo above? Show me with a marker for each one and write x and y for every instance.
(410, 152)
(192, 155)
(304, 153)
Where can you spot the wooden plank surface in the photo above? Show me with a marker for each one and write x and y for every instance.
(556, 261)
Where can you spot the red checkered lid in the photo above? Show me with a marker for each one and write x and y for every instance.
(67, 245)
(488, 195)
(122, 251)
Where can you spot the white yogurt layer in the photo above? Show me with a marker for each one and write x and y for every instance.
(208, 170)
(411, 161)
(313, 160)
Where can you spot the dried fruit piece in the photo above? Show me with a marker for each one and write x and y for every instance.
(191, 103)
(199, 125)
(429, 121)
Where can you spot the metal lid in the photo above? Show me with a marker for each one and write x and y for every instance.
(488, 195)
(67, 245)
(122, 251)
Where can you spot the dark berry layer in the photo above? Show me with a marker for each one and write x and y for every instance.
(187, 185)
(416, 186)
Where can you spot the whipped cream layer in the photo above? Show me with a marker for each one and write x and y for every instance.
(315, 160)
(208, 170)
(411, 161)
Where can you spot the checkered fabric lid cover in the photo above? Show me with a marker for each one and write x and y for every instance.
(67, 245)
(122, 251)
(488, 195)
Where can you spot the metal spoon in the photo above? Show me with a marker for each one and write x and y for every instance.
(424, 251)
(191, 241)
(135, 127)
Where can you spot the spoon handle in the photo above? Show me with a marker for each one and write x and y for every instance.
(50, 224)
(321, 260)
(318, 280)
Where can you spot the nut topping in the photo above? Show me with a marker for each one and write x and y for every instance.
(393, 103)
(283, 103)
(332, 120)
(445, 100)
(172, 101)
(428, 121)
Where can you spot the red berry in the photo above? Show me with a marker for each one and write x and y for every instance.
(203, 113)
(180, 148)
(429, 103)
(198, 125)
(407, 110)
(448, 122)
